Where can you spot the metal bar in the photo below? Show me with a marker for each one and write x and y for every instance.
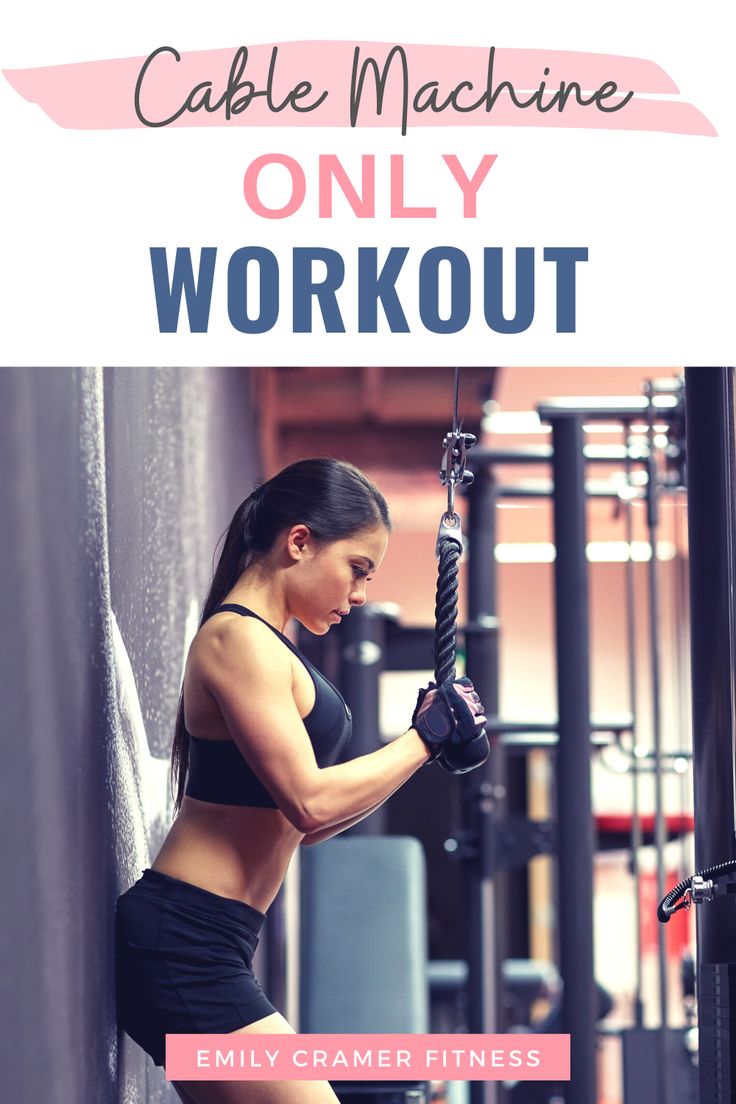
(636, 829)
(542, 454)
(543, 488)
(603, 724)
(520, 454)
(574, 809)
(682, 667)
(660, 826)
(409, 648)
(519, 742)
(486, 934)
(711, 467)
(594, 488)
(362, 641)
(605, 408)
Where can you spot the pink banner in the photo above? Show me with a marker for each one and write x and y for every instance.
(255, 1057)
(367, 84)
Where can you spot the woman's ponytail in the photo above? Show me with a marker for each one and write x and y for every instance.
(237, 550)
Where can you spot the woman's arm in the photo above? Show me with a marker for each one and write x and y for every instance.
(335, 829)
(248, 671)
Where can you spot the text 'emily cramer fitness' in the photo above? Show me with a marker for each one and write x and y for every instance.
(354, 1057)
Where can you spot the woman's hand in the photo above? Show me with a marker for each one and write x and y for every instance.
(449, 714)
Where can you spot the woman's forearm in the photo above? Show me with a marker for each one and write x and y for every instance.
(349, 791)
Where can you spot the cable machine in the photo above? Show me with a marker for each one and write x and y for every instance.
(487, 810)
(711, 475)
(495, 839)
(485, 801)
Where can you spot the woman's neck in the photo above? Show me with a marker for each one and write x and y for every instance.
(264, 595)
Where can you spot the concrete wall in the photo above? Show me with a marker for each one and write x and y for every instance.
(115, 485)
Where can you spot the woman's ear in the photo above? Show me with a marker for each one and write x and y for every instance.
(297, 540)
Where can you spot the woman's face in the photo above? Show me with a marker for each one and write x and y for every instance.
(330, 578)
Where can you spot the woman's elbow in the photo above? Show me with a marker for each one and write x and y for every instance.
(309, 822)
(302, 801)
(303, 816)
(299, 822)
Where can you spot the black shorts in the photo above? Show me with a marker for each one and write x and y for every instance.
(183, 962)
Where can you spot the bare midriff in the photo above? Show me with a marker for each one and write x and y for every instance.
(234, 851)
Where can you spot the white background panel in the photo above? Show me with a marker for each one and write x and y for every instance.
(80, 209)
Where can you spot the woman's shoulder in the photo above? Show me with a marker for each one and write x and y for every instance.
(231, 642)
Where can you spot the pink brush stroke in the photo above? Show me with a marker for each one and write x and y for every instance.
(99, 95)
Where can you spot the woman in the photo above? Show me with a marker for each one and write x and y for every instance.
(255, 759)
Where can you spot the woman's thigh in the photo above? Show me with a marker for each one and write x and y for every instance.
(257, 1092)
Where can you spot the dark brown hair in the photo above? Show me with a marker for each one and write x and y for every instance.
(332, 497)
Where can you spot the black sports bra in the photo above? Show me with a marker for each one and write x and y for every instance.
(218, 771)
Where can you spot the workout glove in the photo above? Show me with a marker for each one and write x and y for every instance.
(448, 716)
(461, 758)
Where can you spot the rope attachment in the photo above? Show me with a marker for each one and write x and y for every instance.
(445, 610)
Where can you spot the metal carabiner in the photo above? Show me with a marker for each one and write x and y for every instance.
(451, 528)
(453, 471)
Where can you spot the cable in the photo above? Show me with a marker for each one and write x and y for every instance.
(667, 906)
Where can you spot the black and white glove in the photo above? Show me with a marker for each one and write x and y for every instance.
(449, 717)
